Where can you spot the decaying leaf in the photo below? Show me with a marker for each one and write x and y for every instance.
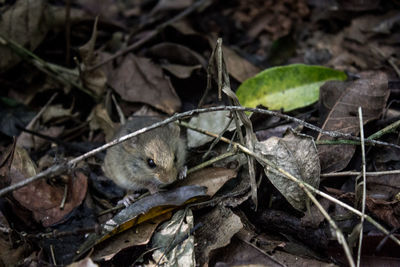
(166, 5)
(136, 236)
(10, 255)
(177, 54)
(218, 227)
(99, 119)
(180, 71)
(42, 199)
(240, 68)
(29, 141)
(296, 154)
(142, 210)
(174, 249)
(340, 101)
(56, 111)
(95, 80)
(26, 23)
(86, 262)
(137, 79)
(6, 159)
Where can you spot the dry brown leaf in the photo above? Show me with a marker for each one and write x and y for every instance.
(7, 155)
(136, 236)
(99, 119)
(388, 212)
(86, 262)
(212, 178)
(180, 71)
(166, 5)
(178, 54)
(44, 200)
(340, 101)
(141, 211)
(29, 141)
(55, 112)
(96, 79)
(137, 79)
(26, 23)
(240, 68)
(10, 255)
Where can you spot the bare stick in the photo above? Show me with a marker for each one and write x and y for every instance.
(57, 169)
(364, 186)
(302, 183)
(350, 173)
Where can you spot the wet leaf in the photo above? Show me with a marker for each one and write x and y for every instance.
(339, 104)
(296, 154)
(289, 87)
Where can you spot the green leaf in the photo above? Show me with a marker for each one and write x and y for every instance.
(288, 87)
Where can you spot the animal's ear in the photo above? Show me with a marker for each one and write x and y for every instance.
(131, 143)
(174, 128)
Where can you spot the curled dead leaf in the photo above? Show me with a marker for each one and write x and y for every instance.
(296, 154)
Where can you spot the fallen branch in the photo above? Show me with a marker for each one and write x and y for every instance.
(58, 169)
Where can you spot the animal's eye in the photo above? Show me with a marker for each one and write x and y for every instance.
(151, 163)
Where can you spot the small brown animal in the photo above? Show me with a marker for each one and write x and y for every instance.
(147, 161)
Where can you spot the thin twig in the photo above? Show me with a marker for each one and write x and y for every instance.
(57, 169)
(170, 246)
(216, 140)
(388, 129)
(32, 123)
(65, 195)
(211, 161)
(54, 71)
(306, 185)
(119, 110)
(354, 173)
(263, 252)
(364, 186)
(340, 237)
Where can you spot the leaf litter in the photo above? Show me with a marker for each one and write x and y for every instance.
(245, 212)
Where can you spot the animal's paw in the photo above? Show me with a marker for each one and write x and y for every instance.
(128, 199)
(182, 173)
